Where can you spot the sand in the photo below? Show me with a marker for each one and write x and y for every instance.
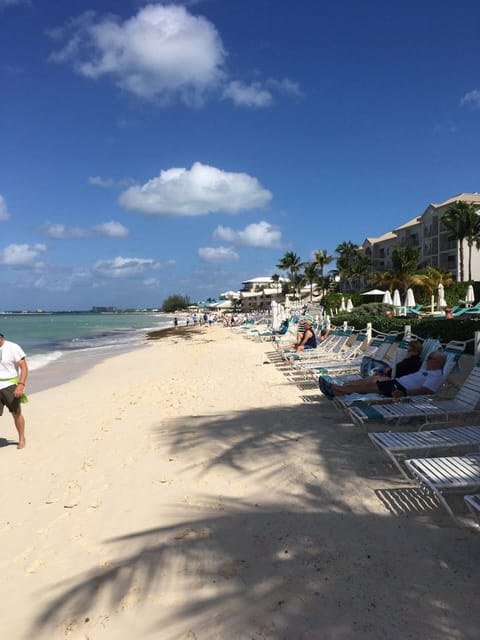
(187, 491)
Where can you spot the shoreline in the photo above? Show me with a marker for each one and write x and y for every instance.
(186, 491)
(74, 364)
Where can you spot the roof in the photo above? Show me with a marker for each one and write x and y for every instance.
(386, 236)
(468, 197)
(263, 279)
(410, 223)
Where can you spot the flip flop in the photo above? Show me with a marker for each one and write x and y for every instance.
(326, 388)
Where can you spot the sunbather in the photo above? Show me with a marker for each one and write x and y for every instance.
(427, 381)
(411, 363)
(305, 340)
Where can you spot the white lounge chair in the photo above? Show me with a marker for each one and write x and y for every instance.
(418, 407)
(399, 445)
(376, 350)
(473, 504)
(458, 475)
(453, 352)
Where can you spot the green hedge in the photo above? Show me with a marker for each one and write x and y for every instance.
(445, 330)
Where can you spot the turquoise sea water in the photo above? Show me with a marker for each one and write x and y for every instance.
(47, 338)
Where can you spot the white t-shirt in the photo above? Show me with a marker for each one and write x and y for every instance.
(10, 354)
(431, 379)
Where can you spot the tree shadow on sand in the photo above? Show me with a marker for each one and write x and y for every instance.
(313, 566)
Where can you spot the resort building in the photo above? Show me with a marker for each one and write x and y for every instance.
(438, 248)
(256, 294)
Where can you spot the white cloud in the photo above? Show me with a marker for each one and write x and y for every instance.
(98, 181)
(22, 255)
(125, 267)
(61, 231)
(243, 95)
(285, 85)
(161, 52)
(195, 192)
(472, 99)
(217, 254)
(111, 229)
(108, 183)
(261, 234)
(4, 215)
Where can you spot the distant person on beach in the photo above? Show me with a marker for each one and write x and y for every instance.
(13, 377)
(305, 340)
(175, 322)
(426, 381)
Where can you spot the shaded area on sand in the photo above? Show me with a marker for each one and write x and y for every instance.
(301, 564)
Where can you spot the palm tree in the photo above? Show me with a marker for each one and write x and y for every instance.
(275, 280)
(290, 263)
(404, 264)
(310, 273)
(321, 258)
(430, 278)
(352, 263)
(472, 235)
(461, 221)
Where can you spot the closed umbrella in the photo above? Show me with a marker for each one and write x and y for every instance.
(396, 298)
(349, 305)
(387, 298)
(470, 298)
(442, 303)
(409, 299)
(342, 304)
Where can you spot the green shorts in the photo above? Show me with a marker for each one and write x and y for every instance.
(8, 399)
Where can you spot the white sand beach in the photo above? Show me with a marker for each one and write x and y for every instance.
(185, 491)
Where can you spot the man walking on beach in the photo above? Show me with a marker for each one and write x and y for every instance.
(13, 376)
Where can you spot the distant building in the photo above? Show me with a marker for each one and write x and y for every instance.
(103, 309)
(437, 247)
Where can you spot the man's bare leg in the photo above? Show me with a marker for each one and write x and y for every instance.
(19, 421)
(364, 385)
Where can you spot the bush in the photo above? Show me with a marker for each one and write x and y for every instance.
(175, 302)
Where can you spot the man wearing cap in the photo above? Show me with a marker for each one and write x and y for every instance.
(13, 377)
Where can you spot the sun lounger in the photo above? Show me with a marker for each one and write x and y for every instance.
(455, 475)
(399, 445)
(376, 350)
(473, 504)
(452, 351)
(423, 408)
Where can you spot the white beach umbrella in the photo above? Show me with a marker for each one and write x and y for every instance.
(442, 303)
(387, 298)
(373, 292)
(396, 298)
(275, 316)
(409, 299)
(342, 304)
(470, 297)
(349, 305)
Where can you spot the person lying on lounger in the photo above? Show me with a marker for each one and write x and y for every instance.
(411, 363)
(423, 382)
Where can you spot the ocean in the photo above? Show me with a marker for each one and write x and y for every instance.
(54, 338)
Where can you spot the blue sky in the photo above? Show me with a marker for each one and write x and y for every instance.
(182, 147)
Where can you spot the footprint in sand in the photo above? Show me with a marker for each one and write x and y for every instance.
(90, 463)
